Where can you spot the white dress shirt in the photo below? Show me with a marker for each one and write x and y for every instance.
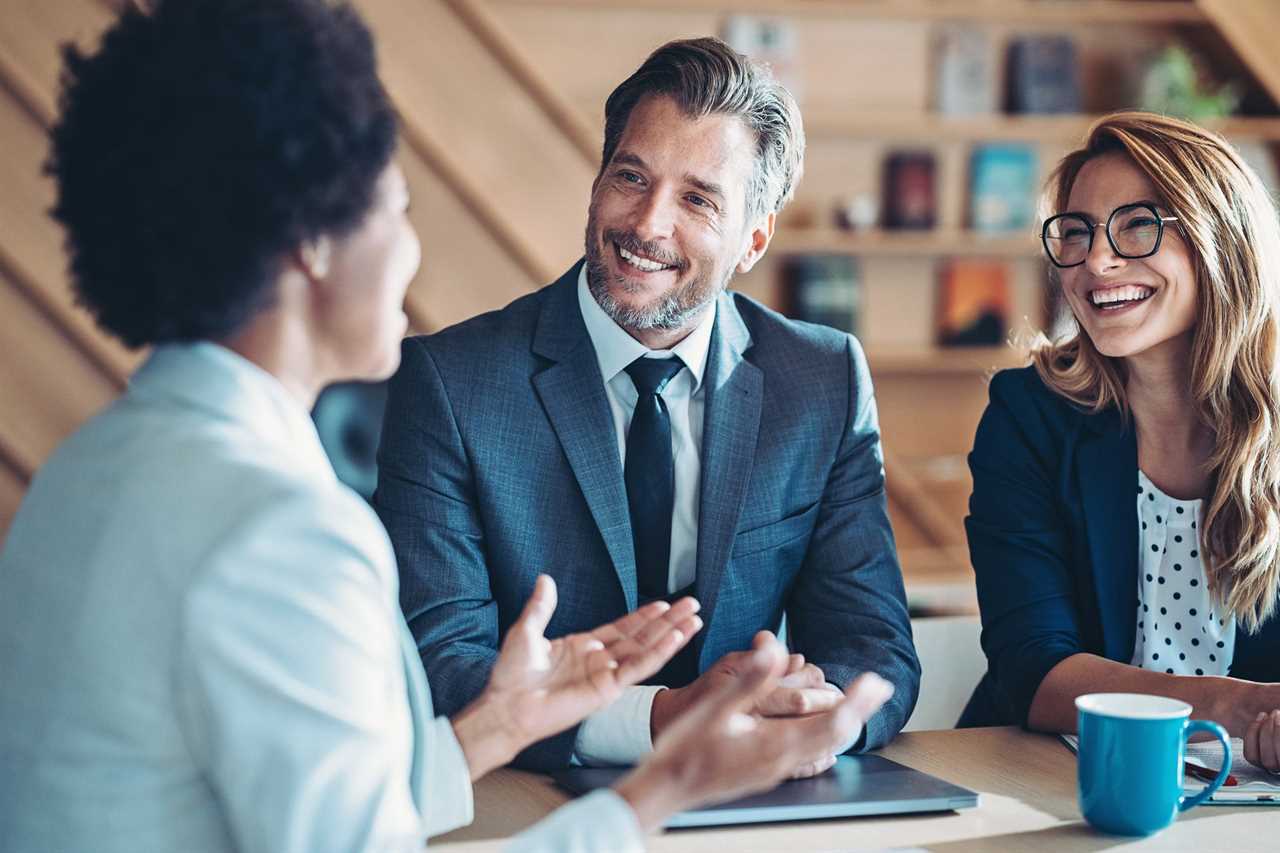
(620, 734)
(201, 647)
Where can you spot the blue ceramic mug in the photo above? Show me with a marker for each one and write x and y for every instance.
(1131, 754)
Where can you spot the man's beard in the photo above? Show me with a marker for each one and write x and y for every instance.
(673, 310)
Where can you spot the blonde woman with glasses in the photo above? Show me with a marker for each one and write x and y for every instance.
(1125, 518)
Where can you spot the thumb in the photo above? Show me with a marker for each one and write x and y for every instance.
(760, 672)
(538, 609)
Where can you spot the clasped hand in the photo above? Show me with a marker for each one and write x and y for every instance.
(800, 691)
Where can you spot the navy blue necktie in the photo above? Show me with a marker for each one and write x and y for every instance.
(650, 474)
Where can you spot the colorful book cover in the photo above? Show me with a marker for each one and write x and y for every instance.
(973, 302)
(824, 288)
(1002, 187)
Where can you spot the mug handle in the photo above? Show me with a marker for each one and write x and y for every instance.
(1190, 728)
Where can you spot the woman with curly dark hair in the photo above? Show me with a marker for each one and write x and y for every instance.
(199, 631)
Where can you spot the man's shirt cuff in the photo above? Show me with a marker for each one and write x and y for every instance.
(619, 734)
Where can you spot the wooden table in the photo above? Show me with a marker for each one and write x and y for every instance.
(1028, 802)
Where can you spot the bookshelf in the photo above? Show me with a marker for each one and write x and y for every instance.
(909, 244)
(1055, 129)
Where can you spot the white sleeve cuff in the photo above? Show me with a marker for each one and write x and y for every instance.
(448, 795)
(620, 733)
(600, 822)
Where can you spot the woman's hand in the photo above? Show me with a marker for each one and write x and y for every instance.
(540, 687)
(1262, 741)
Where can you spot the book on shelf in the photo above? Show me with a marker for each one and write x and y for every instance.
(824, 288)
(910, 193)
(963, 71)
(1043, 75)
(973, 302)
(1002, 187)
(771, 40)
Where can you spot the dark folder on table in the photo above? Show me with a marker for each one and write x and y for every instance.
(856, 786)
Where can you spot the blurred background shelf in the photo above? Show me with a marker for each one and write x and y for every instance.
(1068, 128)
(952, 242)
(1000, 11)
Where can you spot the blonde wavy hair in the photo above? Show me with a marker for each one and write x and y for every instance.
(1227, 218)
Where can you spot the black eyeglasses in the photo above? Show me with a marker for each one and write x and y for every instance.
(1133, 230)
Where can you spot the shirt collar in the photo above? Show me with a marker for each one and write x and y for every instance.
(209, 376)
(615, 348)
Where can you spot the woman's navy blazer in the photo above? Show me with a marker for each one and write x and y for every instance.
(1053, 537)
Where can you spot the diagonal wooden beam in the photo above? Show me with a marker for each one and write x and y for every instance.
(16, 460)
(1250, 27)
(491, 33)
(473, 199)
(915, 502)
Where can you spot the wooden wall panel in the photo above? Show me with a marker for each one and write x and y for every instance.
(49, 390)
(11, 489)
(587, 51)
(54, 388)
(30, 243)
(462, 272)
(481, 121)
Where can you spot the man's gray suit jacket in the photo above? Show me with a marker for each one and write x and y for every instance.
(499, 460)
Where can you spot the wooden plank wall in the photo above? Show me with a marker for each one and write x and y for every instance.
(489, 187)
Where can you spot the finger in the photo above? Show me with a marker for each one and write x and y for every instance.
(1251, 740)
(758, 676)
(807, 676)
(643, 661)
(798, 701)
(538, 609)
(763, 639)
(1267, 737)
(827, 732)
(863, 698)
(655, 629)
(794, 664)
(632, 622)
(814, 768)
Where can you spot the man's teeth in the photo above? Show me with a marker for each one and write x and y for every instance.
(1114, 295)
(641, 263)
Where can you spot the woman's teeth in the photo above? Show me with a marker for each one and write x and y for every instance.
(1116, 297)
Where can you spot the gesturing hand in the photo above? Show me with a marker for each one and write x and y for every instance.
(539, 687)
(718, 749)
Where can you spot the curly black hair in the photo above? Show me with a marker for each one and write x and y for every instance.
(200, 144)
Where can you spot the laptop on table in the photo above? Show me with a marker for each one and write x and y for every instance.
(856, 786)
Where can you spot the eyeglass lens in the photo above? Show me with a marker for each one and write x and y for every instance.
(1134, 230)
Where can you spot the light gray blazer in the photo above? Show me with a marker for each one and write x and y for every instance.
(201, 647)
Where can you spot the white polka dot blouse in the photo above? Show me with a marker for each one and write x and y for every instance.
(1180, 629)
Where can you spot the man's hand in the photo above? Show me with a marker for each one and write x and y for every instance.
(800, 690)
(719, 748)
(539, 687)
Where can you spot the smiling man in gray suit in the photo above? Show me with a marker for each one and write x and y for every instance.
(637, 431)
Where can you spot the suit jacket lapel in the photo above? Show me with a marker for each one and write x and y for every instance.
(734, 390)
(573, 396)
(1108, 462)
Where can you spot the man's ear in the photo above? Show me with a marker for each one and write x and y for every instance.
(758, 242)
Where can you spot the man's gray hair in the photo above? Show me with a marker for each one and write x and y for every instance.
(705, 76)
